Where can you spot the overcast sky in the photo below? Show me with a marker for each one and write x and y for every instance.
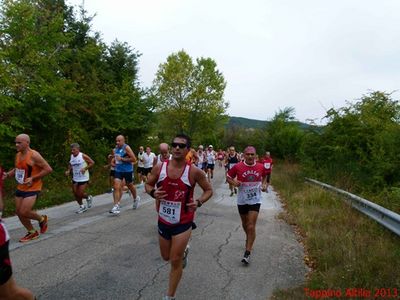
(311, 54)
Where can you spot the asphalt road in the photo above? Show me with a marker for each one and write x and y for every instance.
(99, 256)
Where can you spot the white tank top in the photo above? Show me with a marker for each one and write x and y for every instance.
(77, 163)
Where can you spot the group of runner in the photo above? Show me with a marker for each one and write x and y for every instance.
(170, 178)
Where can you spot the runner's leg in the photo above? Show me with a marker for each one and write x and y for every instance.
(11, 291)
(77, 194)
(117, 190)
(250, 228)
(24, 211)
(178, 246)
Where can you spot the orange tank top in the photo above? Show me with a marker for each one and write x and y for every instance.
(25, 169)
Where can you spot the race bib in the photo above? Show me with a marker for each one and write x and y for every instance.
(249, 193)
(20, 175)
(267, 166)
(170, 211)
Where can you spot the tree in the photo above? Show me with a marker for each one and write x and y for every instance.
(360, 143)
(191, 96)
(284, 136)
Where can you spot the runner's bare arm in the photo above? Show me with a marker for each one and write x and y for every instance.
(42, 164)
(68, 171)
(200, 178)
(156, 193)
(89, 161)
(132, 157)
(10, 173)
(264, 183)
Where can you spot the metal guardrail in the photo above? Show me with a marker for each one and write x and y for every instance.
(385, 217)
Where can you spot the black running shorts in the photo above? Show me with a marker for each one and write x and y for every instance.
(244, 209)
(167, 231)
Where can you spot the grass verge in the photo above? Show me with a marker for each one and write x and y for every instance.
(345, 249)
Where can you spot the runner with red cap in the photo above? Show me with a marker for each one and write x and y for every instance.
(250, 178)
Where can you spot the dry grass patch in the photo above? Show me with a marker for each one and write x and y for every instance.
(344, 248)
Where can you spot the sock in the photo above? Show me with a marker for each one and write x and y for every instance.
(247, 253)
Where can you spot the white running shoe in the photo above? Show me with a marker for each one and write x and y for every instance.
(185, 256)
(115, 210)
(89, 201)
(82, 209)
(136, 202)
(246, 258)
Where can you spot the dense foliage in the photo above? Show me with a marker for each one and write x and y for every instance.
(61, 84)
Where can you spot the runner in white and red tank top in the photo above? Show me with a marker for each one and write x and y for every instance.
(172, 184)
(8, 287)
(251, 178)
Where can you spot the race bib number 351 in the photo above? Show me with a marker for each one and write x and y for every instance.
(170, 211)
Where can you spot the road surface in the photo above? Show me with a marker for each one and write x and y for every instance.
(96, 255)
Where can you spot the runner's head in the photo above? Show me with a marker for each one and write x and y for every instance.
(141, 149)
(250, 155)
(180, 146)
(75, 149)
(120, 141)
(267, 154)
(164, 150)
(22, 142)
(231, 150)
(201, 147)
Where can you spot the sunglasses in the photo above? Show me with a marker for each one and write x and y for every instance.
(250, 154)
(180, 145)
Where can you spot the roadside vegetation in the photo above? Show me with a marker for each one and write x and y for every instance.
(344, 249)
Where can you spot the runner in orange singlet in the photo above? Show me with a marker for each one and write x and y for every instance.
(30, 168)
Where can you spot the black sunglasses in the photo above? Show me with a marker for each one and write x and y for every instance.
(180, 145)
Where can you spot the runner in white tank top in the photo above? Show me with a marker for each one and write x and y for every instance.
(79, 165)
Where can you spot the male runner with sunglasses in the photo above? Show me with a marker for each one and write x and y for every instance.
(172, 184)
(251, 178)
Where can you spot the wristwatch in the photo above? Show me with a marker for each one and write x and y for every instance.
(199, 203)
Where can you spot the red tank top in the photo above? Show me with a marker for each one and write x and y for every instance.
(173, 210)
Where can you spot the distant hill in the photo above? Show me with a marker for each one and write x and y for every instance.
(245, 123)
(258, 124)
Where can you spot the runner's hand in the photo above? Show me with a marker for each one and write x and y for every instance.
(237, 183)
(28, 181)
(192, 205)
(160, 194)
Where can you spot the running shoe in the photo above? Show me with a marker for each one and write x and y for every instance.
(136, 202)
(115, 210)
(29, 237)
(235, 190)
(82, 209)
(246, 258)
(231, 194)
(89, 201)
(43, 224)
(185, 256)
